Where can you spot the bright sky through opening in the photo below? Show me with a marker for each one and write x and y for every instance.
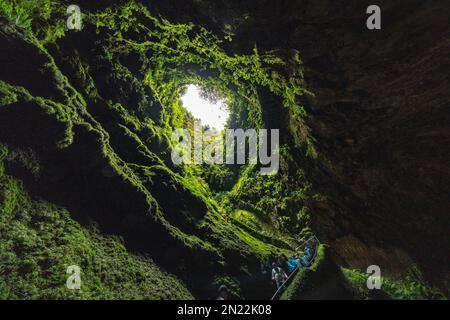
(214, 115)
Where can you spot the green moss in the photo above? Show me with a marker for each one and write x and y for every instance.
(17, 13)
(39, 242)
(285, 208)
(45, 18)
(258, 229)
(3, 155)
(410, 287)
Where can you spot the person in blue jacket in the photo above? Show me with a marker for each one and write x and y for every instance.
(293, 263)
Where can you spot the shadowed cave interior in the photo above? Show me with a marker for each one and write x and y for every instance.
(87, 178)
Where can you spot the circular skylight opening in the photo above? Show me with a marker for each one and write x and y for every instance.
(211, 112)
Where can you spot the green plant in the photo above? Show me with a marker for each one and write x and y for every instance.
(17, 14)
(411, 287)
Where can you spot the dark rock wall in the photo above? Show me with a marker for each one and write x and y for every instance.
(381, 118)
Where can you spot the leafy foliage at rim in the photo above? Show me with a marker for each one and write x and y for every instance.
(173, 55)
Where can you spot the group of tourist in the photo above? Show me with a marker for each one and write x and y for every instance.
(279, 275)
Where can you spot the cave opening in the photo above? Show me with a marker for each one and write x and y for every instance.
(206, 106)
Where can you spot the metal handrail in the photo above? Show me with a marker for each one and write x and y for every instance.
(282, 286)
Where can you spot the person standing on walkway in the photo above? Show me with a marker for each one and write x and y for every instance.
(278, 275)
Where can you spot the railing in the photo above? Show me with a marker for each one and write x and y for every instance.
(291, 276)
